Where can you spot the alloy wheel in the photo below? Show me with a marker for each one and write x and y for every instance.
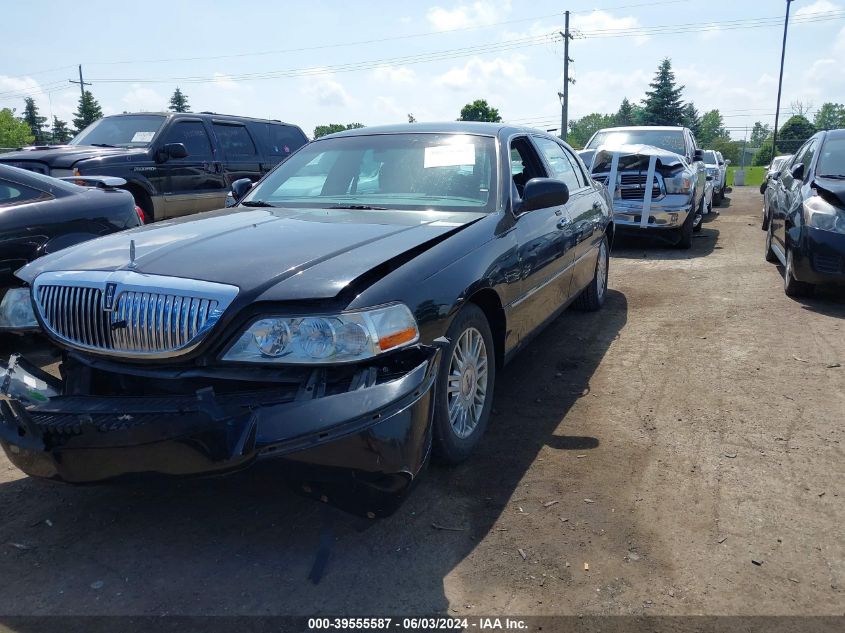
(467, 382)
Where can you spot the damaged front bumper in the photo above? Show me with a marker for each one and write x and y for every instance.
(669, 212)
(359, 444)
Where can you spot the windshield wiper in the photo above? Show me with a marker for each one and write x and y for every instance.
(834, 176)
(101, 145)
(357, 207)
(257, 203)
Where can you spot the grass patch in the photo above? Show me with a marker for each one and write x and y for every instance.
(754, 176)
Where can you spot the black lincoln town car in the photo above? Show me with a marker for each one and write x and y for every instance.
(347, 317)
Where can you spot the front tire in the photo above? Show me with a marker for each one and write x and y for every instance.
(791, 286)
(770, 254)
(685, 236)
(593, 296)
(464, 386)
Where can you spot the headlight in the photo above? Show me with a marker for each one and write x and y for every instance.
(821, 214)
(16, 310)
(336, 338)
(678, 184)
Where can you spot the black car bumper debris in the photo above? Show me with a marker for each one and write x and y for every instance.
(358, 444)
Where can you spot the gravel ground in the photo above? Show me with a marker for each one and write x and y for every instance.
(692, 427)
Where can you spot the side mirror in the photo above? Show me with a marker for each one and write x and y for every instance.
(175, 150)
(798, 171)
(728, 161)
(721, 162)
(698, 155)
(542, 193)
(240, 188)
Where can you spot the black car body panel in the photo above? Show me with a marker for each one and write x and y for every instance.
(220, 150)
(818, 254)
(366, 425)
(50, 215)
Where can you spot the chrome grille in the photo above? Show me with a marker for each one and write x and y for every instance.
(143, 321)
(631, 185)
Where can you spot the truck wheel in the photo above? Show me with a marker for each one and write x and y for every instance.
(791, 286)
(143, 200)
(592, 297)
(685, 232)
(464, 394)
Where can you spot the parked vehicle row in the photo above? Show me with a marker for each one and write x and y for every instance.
(805, 215)
(174, 164)
(348, 316)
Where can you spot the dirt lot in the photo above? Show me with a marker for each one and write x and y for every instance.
(692, 426)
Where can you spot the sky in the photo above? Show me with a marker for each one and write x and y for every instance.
(375, 62)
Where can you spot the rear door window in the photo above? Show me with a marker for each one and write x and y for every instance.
(285, 140)
(12, 193)
(235, 140)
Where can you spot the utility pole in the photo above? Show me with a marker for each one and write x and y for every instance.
(564, 96)
(780, 81)
(81, 83)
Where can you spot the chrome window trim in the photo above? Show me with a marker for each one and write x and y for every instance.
(81, 282)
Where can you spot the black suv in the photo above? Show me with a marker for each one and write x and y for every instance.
(173, 163)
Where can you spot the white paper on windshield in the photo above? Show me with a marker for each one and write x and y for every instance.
(143, 137)
(449, 155)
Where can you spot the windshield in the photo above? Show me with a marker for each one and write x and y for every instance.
(121, 131)
(443, 172)
(832, 158)
(672, 140)
(710, 158)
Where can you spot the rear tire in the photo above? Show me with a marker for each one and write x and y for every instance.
(791, 286)
(465, 381)
(593, 296)
(143, 200)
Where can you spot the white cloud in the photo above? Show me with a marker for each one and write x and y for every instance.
(389, 110)
(224, 81)
(143, 99)
(465, 15)
(394, 74)
(820, 6)
(15, 89)
(710, 32)
(839, 46)
(327, 91)
(603, 21)
(480, 74)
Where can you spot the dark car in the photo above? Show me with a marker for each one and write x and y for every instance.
(348, 316)
(173, 163)
(769, 185)
(40, 215)
(806, 229)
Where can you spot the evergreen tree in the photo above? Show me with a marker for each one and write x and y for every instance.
(625, 115)
(87, 112)
(663, 104)
(33, 120)
(179, 101)
(61, 133)
(692, 120)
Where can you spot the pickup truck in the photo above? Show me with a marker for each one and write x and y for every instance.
(659, 179)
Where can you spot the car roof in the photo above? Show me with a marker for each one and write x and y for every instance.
(447, 127)
(206, 115)
(836, 133)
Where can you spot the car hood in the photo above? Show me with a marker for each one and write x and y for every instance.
(270, 254)
(831, 189)
(65, 156)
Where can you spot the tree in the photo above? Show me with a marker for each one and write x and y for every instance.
(764, 154)
(331, 128)
(663, 104)
(179, 102)
(412, 118)
(711, 128)
(625, 114)
(801, 108)
(580, 130)
(831, 116)
(731, 150)
(87, 112)
(759, 134)
(61, 133)
(692, 120)
(13, 132)
(479, 110)
(34, 120)
(794, 133)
